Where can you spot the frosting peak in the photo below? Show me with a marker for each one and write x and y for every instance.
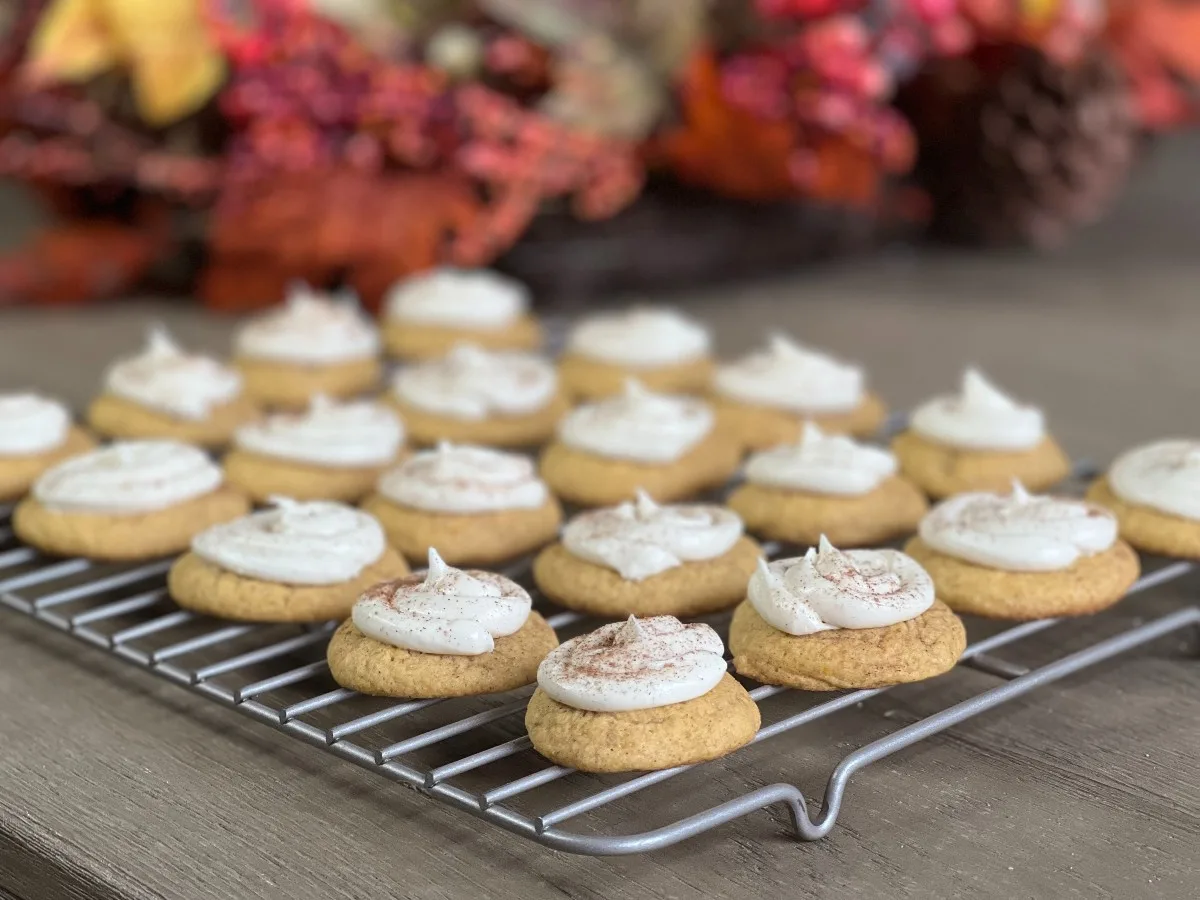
(635, 664)
(311, 328)
(168, 380)
(829, 588)
(127, 478)
(979, 417)
(822, 464)
(638, 425)
(449, 611)
(462, 479)
(1018, 532)
(328, 433)
(295, 543)
(459, 298)
(640, 539)
(1164, 476)
(473, 384)
(788, 376)
(31, 424)
(640, 337)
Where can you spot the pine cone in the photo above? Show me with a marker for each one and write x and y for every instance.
(1020, 148)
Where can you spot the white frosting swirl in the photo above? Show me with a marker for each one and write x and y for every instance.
(1017, 532)
(462, 480)
(310, 329)
(458, 298)
(31, 424)
(638, 425)
(127, 478)
(640, 539)
(295, 543)
(358, 433)
(166, 379)
(472, 384)
(823, 464)
(980, 417)
(1164, 476)
(635, 664)
(642, 337)
(452, 612)
(829, 588)
(788, 376)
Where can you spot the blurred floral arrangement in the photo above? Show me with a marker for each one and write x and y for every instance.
(357, 141)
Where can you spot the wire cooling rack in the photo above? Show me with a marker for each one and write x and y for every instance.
(472, 753)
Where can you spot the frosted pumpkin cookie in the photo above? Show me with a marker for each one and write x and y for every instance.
(333, 451)
(1016, 556)
(831, 620)
(427, 315)
(164, 392)
(312, 344)
(643, 559)
(448, 633)
(978, 440)
(35, 433)
(297, 562)
(128, 501)
(665, 444)
(764, 398)
(476, 505)
(665, 350)
(476, 396)
(1154, 491)
(831, 485)
(639, 695)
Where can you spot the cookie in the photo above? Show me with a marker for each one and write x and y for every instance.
(18, 472)
(942, 471)
(121, 419)
(636, 695)
(262, 477)
(127, 501)
(451, 633)
(210, 590)
(426, 316)
(1152, 489)
(847, 658)
(1092, 584)
(759, 427)
(282, 385)
(528, 430)
(834, 619)
(590, 379)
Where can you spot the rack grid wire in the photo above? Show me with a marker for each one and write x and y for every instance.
(473, 754)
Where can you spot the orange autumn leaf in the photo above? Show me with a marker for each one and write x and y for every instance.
(723, 148)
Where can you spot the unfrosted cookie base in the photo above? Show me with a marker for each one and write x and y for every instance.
(589, 480)
(692, 589)
(764, 427)
(371, 667)
(203, 587)
(1093, 583)
(1149, 530)
(414, 341)
(470, 539)
(122, 419)
(262, 477)
(127, 538)
(281, 385)
(591, 379)
(942, 471)
(695, 731)
(531, 429)
(845, 658)
(18, 473)
(892, 510)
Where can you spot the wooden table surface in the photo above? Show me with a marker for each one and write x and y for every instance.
(117, 785)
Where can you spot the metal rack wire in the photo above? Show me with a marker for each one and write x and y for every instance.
(473, 754)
